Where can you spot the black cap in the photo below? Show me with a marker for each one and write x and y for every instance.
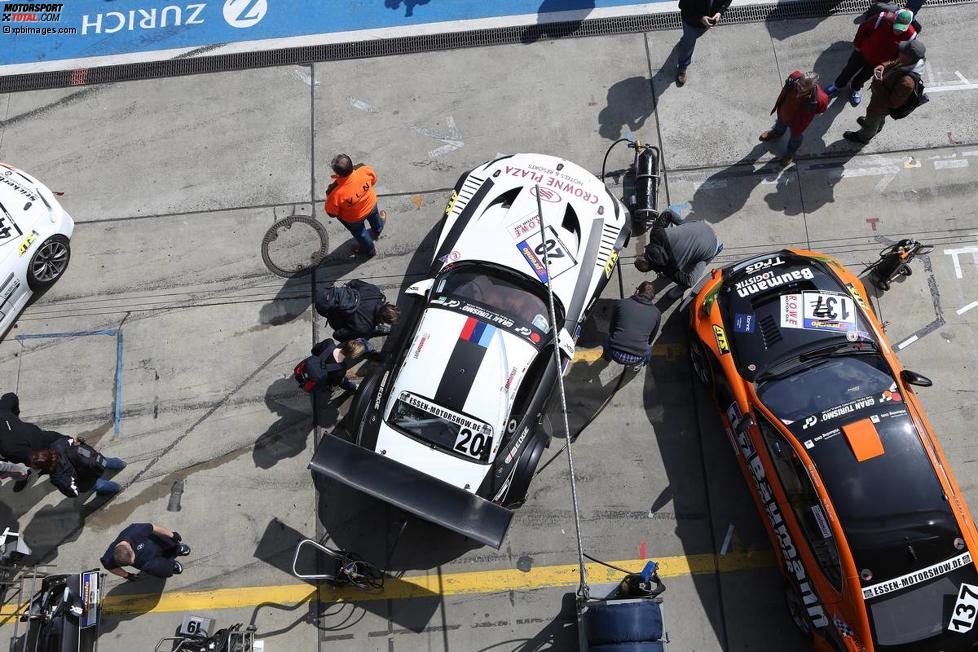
(914, 48)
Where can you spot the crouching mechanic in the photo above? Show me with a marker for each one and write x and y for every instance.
(358, 310)
(680, 253)
(327, 365)
(147, 547)
(634, 324)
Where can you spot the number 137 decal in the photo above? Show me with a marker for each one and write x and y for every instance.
(965, 610)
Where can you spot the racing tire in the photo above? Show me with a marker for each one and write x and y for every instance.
(701, 364)
(48, 263)
(525, 468)
(796, 608)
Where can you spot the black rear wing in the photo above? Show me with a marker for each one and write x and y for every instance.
(413, 491)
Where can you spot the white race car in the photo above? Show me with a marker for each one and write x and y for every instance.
(34, 241)
(448, 428)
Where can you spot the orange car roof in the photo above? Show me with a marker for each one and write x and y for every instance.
(863, 439)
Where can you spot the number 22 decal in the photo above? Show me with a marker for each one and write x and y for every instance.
(965, 610)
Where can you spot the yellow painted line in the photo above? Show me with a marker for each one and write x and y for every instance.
(669, 351)
(425, 586)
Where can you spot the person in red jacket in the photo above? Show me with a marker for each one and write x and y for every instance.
(352, 200)
(875, 43)
(800, 101)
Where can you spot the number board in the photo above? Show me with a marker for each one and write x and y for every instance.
(196, 626)
(474, 443)
(818, 311)
(965, 610)
(533, 249)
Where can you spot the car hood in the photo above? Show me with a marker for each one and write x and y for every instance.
(23, 208)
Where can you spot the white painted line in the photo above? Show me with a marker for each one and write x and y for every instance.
(726, 540)
(962, 310)
(952, 87)
(907, 342)
(960, 76)
(954, 253)
(950, 163)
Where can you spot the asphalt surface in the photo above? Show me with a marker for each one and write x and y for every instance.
(174, 182)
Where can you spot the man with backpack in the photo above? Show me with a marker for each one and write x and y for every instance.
(327, 366)
(801, 99)
(884, 27)
(897, 91)
(358, 310)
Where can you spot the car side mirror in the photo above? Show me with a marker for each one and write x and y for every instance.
(566, 343)
(421, 288)
(913, 378)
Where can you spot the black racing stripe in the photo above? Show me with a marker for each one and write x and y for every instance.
(580, 298)
(463, 366)
(462, 221)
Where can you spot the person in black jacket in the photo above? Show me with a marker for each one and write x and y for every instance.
(327, 365)
(698, 16)
(19, 439)
(358, 310)
(634, 324)
(681, 253)
(77, 468)
(149, 548)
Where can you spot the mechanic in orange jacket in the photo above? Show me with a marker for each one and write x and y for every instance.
(352, 200)
(801, 99)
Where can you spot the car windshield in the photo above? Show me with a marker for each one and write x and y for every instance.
(903, 620)
(829, 383)
(422, 419)
(495, 291)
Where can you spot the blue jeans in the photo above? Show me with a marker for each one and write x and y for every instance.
(794, 141)
(363, 236)
(114, 464)
(687, 43)
(107, 487)
(628, 359)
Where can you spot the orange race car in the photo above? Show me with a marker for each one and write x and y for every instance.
(871, 530)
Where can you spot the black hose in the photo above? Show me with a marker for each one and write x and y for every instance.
(604, 163)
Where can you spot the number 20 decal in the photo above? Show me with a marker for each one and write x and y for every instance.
(965, 610)
(473, 445)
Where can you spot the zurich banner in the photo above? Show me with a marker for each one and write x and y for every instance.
(40, 36)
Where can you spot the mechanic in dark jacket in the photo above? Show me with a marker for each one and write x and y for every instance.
(634, 324)
(148, 547)
(18, 439)
(358, 310)
(698, 16)
(681, 253)
(327, 365)
(77, 468)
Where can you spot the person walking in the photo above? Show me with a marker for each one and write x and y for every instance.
(875, 43)
(74, 466)
(634, 324)
(147, 547)
(801, 99)
(328, 364)
(351, 199)
(893, 86)
(697, 17)
(680, 253)
(358, 310)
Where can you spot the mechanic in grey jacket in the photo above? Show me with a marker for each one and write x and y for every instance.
(681, 253)
(634, 324)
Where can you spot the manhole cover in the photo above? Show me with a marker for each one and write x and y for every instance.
(294, 246)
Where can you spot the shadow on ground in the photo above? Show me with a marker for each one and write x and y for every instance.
(545, 28)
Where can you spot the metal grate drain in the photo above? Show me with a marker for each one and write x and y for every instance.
(197, 62)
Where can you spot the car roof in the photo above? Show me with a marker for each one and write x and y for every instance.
(871, 460)
(777, 305)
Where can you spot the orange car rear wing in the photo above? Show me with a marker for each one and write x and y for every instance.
(863, 439)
